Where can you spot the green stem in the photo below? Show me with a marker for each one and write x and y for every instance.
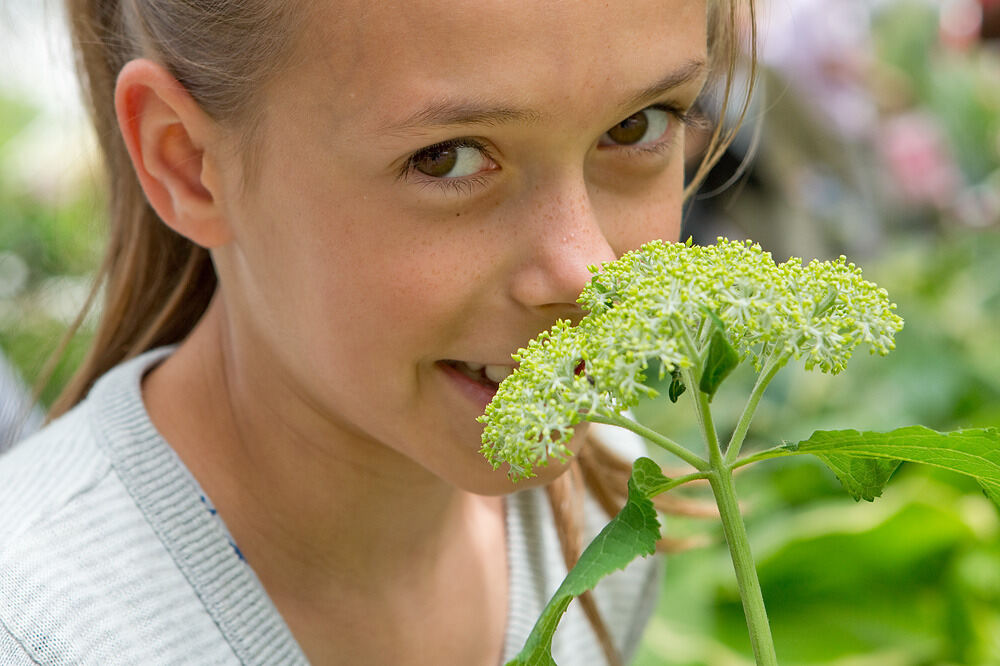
(708, 426)
(610, 418)
(746, 574)
(766, 454)
(680, 481)
(700, 399)
(771, 368)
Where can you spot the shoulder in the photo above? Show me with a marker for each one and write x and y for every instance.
(67, 467)
(61, 513)
(47, 473)
(84, 576)
(18, 416)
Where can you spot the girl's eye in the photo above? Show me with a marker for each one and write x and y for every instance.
(647, 126)
(451, 159)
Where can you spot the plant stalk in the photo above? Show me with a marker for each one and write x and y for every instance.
(721, 480)
(664, 442)
(775, 363)
(708, 427)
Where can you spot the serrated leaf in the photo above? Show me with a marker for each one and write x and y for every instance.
(863, 478)
(973, 452)
(633, 532)
(721, 360)
(649, 478)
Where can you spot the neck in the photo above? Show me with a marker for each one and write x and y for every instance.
(317, 511)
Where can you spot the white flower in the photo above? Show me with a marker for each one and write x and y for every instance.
(661, 304)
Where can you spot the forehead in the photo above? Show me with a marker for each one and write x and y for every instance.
(380, 58)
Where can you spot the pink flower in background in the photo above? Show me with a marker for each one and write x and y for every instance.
(919, 160)
(961, 23)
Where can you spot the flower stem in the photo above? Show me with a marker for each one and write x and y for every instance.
(708, 426)
(775, 363)
(701, 400)
(721, 480)
(610, 418)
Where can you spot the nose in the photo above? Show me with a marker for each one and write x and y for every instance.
(564, 237)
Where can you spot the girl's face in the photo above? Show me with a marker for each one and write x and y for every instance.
(435, 177)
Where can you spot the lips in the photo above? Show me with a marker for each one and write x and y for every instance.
(486, 374)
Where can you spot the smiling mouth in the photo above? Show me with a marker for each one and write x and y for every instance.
(487, 375)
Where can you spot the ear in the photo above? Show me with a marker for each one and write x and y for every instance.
(167, 135)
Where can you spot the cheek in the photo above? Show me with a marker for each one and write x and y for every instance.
(639, 215)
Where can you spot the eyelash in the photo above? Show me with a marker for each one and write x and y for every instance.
(460, 185)
(686, 118)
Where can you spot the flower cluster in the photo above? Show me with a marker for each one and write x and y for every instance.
(661, 304)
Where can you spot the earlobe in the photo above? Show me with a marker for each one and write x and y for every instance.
(166, 134)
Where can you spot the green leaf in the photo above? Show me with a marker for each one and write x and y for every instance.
(992, 490)
(721, 360)
(864, 478)
(677, 386)
(633, 532)
(974, 452)
(828, 300)
(649, 478)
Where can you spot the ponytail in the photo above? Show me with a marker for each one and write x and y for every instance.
(157, 284)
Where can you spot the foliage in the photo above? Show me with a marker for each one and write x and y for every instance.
(852, 584)
(49, 242)
(701, 311)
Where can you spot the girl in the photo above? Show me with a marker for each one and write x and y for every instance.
(331, 224)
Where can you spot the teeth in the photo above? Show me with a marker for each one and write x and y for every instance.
(475, 367)
(498, 373)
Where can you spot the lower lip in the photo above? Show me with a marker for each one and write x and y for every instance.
(479, 393)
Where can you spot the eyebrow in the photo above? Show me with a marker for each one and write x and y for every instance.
(467, 112)
(690, 71)
(481, 112)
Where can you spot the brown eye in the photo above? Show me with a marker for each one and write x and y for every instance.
(451, 159)
(436, 161)
(648, 126)
(631, 130)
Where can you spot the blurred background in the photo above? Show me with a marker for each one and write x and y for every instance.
(875, 133)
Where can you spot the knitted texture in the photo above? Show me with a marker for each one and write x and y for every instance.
(110, 553)
(18, 417)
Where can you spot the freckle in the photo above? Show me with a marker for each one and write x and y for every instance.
(458, 215)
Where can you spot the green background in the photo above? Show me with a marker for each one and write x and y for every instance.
(912, 579)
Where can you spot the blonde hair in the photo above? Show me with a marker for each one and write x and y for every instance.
(157, 284)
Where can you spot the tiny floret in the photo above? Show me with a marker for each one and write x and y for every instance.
(658, 307)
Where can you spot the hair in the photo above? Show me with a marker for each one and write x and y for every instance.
(156, 284)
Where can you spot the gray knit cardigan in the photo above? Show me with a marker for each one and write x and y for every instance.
(110, 553)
